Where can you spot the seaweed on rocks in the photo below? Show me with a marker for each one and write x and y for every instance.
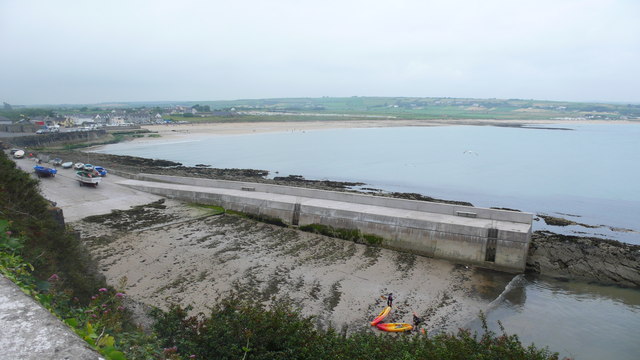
(300, 180)
(587, 258)
(415, 196)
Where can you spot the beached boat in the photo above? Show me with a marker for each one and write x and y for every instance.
(56, 162)
(18, 154)
(100, 170)
(67, 165)
(42, 171)
(88, 178)
(394, 327)
(78, 166)
(88, 167)
(382, 315)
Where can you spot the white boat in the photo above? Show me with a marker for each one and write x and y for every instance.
(88, 178)
(78, 166)
(18, 154)
(67, 165)
(88, 167)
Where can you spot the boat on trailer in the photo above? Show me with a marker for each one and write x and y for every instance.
(88, 178)
(42, 171)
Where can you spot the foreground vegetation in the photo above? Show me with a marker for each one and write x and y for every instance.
(51, 265)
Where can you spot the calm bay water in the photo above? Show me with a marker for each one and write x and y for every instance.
(589, 174)
(578, 320)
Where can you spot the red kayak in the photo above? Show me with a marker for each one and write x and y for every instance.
(382, 315)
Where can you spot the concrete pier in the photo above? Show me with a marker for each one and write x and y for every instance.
(489, 238)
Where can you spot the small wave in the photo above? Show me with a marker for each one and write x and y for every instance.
(517, 281)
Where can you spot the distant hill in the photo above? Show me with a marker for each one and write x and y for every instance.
(400, 108)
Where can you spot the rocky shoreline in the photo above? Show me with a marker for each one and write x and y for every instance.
(584, 258)
(550, 254)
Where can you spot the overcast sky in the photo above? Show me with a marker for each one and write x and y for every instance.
(88, 51)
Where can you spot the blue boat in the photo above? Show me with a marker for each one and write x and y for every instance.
(42, 171)
(102, 171)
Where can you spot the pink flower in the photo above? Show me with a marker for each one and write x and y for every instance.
(119, 295)
(102, 289)
(94, 316)
(53, 277)
(120, 308)
(94, 297)
(9, 233)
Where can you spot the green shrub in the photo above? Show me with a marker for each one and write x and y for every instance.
(239, 328)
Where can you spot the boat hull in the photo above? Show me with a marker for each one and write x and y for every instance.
(42, 171)
(87, 179)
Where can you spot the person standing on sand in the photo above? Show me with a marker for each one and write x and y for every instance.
(417, 322)
(390, 300)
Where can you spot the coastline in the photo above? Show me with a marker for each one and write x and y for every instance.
(179, 131)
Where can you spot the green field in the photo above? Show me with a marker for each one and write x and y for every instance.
(349, 108)
(429, 108)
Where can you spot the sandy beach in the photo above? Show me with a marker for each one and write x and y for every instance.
(172, 132)
(185, 257)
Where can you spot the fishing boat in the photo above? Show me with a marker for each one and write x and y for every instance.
(381, 316)
(56, 162)
(78, 166)
(394, 327)
(19, 154)
(42, 171)
(88, 178)
(67, 165)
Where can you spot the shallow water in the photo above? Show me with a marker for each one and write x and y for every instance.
(588, 174)
(576, 319)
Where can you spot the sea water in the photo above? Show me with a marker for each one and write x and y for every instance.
(578, 320)
(586, 173)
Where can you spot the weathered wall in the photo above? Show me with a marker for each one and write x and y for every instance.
(42, 140)
(18, 128)
(430, 229)
(439, 208)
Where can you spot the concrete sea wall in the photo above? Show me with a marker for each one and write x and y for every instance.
(489, 238)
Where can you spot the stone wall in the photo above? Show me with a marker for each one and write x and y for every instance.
(48, 139)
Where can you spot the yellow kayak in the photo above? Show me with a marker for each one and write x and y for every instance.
(382, 315)
(395, 327)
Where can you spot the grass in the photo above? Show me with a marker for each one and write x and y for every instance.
(210, 209)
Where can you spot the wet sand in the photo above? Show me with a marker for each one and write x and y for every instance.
(190, 259)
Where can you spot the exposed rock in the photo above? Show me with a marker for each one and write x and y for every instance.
(558, 221)
(584, 258)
